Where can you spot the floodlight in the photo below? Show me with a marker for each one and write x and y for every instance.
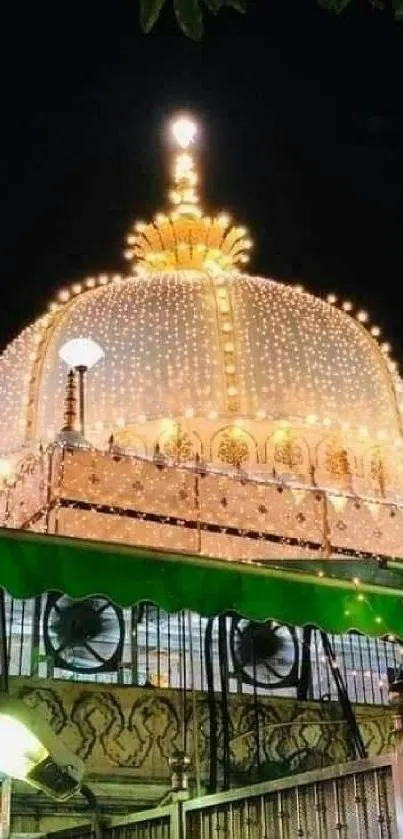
(30, 751)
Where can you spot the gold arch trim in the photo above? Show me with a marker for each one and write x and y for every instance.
(227, 341)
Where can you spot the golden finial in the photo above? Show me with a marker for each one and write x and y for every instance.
(185, 238)
(184, 195)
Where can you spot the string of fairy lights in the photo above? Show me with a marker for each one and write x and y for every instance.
(113, 496)
(194, 347)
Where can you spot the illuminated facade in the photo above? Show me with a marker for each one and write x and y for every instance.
(226, 409)
(211, 412)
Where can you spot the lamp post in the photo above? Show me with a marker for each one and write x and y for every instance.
(80, 355)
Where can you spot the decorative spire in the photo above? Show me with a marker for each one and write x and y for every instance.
(184, 196)
(70, 403)
(186, 238)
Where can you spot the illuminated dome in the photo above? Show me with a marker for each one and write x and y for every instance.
(201, 358)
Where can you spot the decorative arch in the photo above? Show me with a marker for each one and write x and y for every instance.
(376, 469)
(179, 444)
(128, 438)
(234, 446)
(286, 452)
(333, 461)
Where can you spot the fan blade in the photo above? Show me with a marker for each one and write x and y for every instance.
(103, 607)
(93, 652)
(273, 670)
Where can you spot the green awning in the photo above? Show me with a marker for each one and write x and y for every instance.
(32, 564)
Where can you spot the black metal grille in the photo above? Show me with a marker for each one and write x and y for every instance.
(169, 651)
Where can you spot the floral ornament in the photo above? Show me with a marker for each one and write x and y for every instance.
(377, 469)
(233, 448)
(336, 461)
(178, 445)
(288, 453)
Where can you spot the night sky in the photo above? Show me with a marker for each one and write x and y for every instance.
(302, 141)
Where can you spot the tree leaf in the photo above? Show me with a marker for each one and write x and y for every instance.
(213, 6)
(336, 6)
(189, 17)
(398, 9)
(149, 13)
(238, 5)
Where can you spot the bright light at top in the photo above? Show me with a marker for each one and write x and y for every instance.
(81, 352)
(184, 131)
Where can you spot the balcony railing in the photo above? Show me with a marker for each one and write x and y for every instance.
(350, 801)
(144, 645)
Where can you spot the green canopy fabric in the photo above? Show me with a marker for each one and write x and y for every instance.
(32, 564)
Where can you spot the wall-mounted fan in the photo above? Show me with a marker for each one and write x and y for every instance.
(264, 654)
(83, 636)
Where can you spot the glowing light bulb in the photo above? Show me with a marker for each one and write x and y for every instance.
(64, 295)
(184, 131)
(81, 352)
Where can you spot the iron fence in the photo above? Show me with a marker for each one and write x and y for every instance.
(158, 823)
(350, 801)
(145, 646)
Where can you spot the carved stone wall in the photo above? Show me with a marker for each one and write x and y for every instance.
(125, 736)
(132, 732)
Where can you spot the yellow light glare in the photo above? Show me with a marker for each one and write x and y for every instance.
(362, 316)
(168, 424)
(20, 750)
(184, 130)
(5, 470)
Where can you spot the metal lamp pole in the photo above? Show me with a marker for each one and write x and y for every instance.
(81, 369)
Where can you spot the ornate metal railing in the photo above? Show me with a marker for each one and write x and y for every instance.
(158, 823)
(350, 801)
(144, 645)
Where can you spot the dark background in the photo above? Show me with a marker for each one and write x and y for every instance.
(302, 141)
